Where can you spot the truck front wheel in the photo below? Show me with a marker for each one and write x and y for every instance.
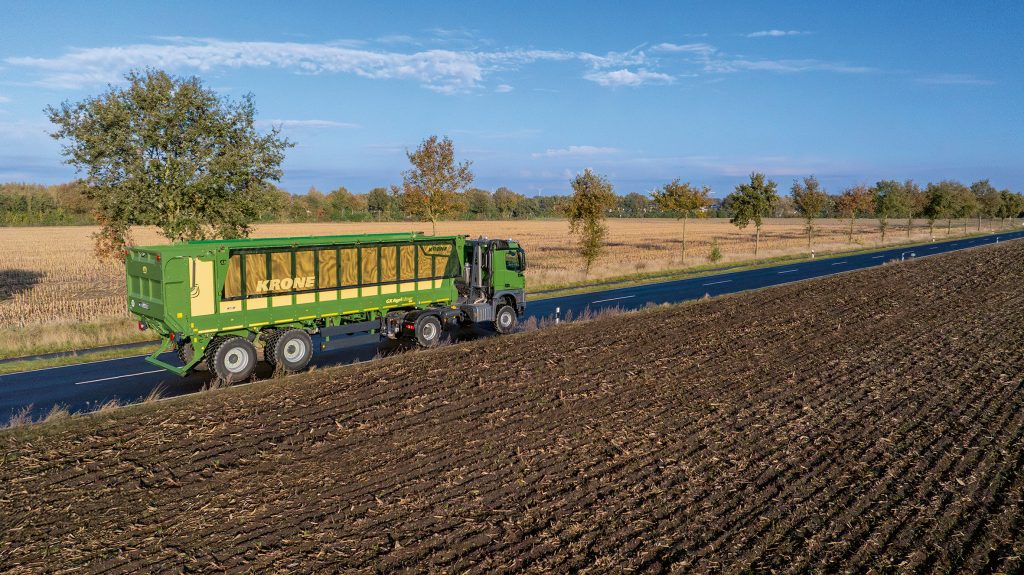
(428, 331)
(231, 358)
(505, 319)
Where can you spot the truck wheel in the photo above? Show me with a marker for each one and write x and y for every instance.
(505, 320)
(292, 349)
(231, 358)
(185, 353)
(428, 331)
(269, 338)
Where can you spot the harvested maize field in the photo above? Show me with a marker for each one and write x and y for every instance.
(867, 422)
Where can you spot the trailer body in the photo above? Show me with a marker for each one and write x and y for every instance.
(342, 290)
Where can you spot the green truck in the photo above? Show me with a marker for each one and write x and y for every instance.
(212, 300)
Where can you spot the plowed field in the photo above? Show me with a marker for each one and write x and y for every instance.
(866, 422)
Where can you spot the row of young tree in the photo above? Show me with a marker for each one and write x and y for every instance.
(752, 202)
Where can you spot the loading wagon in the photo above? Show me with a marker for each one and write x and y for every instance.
(211, 301)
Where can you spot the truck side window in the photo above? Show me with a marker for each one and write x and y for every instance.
(233, 280)
(513, 262)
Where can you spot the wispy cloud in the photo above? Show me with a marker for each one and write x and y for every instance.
(445, 71)
(714, 61)
(576, 151)
(694, 48)
(312, 124)
(955, 80)
(776, 33)
(503, 88)
(626, 77)
(4, 99)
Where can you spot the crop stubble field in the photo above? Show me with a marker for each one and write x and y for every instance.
(871, 421)
(49, 275)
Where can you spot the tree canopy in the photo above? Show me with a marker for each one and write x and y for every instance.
(587, 208)
(431, 189)
(169, 152)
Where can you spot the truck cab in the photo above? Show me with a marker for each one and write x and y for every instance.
(493, 283)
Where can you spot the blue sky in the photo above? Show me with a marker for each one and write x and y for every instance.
(534, 92)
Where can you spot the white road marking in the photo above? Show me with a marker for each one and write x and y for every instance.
(877, 257)
(840, 263)
(613, 299)
(788, 271)
(934, 248)
(716, 283)
(118, 377)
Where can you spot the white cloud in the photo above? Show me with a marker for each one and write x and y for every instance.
(313, 124)
(576, 151)
(955, 80)
(695, 48)
(776, 33)
(727, 65)
(4, 99)
(503, 89)
(626, 77)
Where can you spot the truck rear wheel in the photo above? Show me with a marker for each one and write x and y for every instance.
(269, 338)
(292, 349)
(231, 358)
(505, 319)
(428, 331)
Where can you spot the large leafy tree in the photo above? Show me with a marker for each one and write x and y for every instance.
(810, 202)
(914, 204)
(941, 203)
(432, 189)
(169, 152)
(684, 202)
(752, 202)
(592, 197)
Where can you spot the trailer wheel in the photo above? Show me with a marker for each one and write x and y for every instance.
(185, 353)
(292, 349)
(270, 338)
(428, 330)
(231, 358)
(505, 320)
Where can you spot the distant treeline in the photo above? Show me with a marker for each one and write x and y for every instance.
(64, 204)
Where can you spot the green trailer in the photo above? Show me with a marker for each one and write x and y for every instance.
(212, 300)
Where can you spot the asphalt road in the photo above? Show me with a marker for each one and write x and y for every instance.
(86, 386)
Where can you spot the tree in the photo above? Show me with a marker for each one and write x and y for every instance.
(169, 152)
(941, 202)
(505, 201)
(810, 201)
(480, 204)
(684, 202)
(852, 203)
(965, 205)
(889, 200)
(988, 199)
(916, 200)
(379, 203)
(343, 204)
(752, 203)
(430, 190)
(587, 209)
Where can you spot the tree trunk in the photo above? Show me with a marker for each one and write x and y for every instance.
(949, 226)
(882, 225)
(810, 232)
(910, 226)
(979, 221)
(684, 240)
(851, 230)
(433, 227)
(757, 239)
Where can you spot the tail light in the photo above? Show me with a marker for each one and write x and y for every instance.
(142, 326)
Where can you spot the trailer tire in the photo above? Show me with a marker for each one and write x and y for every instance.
(505, 319)
(231, 358)
(428, 330)
(269, 338)
(292, 349)
(185, 353)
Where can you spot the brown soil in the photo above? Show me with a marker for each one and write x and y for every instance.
(866, 422)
